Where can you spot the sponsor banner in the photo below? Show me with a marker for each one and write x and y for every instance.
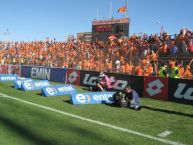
(92, 98)
(156, 88)
(181, 90)
(22, 78)
(73, 77)
(44, 73)
(26, 71)
(87, 78)
(10, 69)
(8, 77)
(58, 75)
(17, 83)
(58, 90)
(3, 69)
(34, 85)
(112, 21)
(14, 69)
(118, 81)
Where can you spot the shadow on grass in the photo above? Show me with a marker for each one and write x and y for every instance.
(25, 133)
(72, 129)
(112, 105)
(12, 86)
(39, 94)
(168, 111)
(67, 101)
(86, 89)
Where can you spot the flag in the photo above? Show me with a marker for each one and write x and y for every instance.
(122, 9)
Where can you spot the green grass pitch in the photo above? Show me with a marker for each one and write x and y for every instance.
(24, 124)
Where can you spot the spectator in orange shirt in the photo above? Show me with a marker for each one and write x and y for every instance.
(181, 71)
(187, 73)
(172, 63)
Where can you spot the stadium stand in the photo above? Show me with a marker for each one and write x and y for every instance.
(139, 54)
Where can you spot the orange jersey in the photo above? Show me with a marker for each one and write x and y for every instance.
(146, 72)
(187, 74)
(123, 68)
(150, 68)
(181, 72)
(144, 62)
(139, 71)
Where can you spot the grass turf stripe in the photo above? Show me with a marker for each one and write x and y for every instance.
(95, 122)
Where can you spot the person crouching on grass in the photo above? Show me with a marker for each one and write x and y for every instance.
(102, 83)
(128, 98)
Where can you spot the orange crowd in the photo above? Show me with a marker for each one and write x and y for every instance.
(138, 54)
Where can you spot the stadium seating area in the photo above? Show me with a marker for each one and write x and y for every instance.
(139, 54)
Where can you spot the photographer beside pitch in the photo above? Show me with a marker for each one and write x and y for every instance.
(128, 98)
(102, 83)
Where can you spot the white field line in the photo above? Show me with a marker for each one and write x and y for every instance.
(165, 133)
(96, 122)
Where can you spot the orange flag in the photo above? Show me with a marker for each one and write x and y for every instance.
(122, 10)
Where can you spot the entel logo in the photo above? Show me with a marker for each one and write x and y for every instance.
(115, 84)
(154, 87)
(28, 85)
(63, 89)
(51, 91)
(83, 98)
(187, 95)
(72, 77)
(41, 84)
(18, 82)
(8, 78)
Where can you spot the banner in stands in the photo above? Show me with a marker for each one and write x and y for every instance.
(58, 90)
(181, 90)
(3, 69)
(14, 69)
(156, 88)
(92, 98)
(10, 69)
(73, 77)
(118, 81)
(34, 85)
(44, 73)
(17, 83)
(8, 77)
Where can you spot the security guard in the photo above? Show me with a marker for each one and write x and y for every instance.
(175, 73)
(163, 71)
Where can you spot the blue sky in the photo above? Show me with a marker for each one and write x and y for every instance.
(37, 19)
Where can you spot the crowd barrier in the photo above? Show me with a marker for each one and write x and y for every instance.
(168, 89)
(177, 90)
(8, 77)
(10, 69)
(44, 73)
(59, 90)
(34, 85)
(92, 98)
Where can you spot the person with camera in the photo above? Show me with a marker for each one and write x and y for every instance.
(128, 98)
(102, 83)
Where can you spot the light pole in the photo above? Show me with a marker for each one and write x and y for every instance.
(6, 35)
(161, 27)
(6, 38)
